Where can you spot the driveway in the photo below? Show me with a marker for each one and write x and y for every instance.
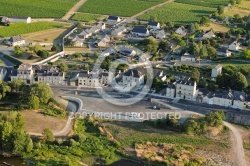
(6, 61)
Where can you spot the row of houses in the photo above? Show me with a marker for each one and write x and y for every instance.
(186, 89)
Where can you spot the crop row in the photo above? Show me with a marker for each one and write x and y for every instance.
(178, 13)
(118, 7)
(36, 8)
(85, 17)
(23, 28)
(207, 3)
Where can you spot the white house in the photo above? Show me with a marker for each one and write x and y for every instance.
(154, 25)
(208, 34)
(16, 41)
(240, 100)
(15, 19)
(188, 58)
(51, 77)
(118, 31)
(181, 31)
(223, 99)
(223, 52)
(186, 89)
(132, 78)
(24, 73)
(170, 90)
(216, 71)
(78, 40)
(141, 32)
(161, 34)
(127, 51)
(3, 72)
(235, 46)
(113, 19)
(92, 78)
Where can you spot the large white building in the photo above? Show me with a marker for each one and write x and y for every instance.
(235, 46)
(16, 41)
(170, 91)
(132, 78)
(24, 73)
(92, 78)
(186, 89)
(140, 32)
(6, 20)
(216, 71)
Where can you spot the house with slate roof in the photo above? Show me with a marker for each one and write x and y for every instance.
(16, 41)
(140, 32)
(132, 78)
(186, 89)
(154, 25)
(113, 19)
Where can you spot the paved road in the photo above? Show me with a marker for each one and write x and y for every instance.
(73, 9)
(6, 61)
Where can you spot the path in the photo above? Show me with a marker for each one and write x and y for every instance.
(151, 8)
(237, 144)
(73, 9)
(6, 61)
(68, 126)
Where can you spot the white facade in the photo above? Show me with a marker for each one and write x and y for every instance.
(3, 73)
(216, 71)
(170, 91)
(132, 78)
(188, 58)
(24, 73)
(90, 79)
(16, 19)
(234, 46)
(181, 31)
(52, 78)
(154, 25)
(161, 34)
(186, 90)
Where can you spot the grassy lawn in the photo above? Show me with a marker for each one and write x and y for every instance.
(216, 27)
(178, 13)
(244, 5)
(118, 7)
(23, 28)
(36, 8)
(207, 3)
(129, 133)
(47, 36)
(236, 10)
(234, 63)
(86, 17)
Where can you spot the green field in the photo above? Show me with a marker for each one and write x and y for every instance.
(178, 13)
(118, 7)
(23, 28)
(85, 17)
(36, 8)
(207, 3)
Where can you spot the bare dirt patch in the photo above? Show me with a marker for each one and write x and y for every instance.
(36, 122)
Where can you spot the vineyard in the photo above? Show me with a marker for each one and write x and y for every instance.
(23, 28)
(207, 3)
(36, 8)
(118, 7)
(85, 17)
(178, 13)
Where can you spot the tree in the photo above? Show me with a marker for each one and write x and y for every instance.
(48, 135)
(220, 10)
(43, 54)
(238, 81)
(169, 25)
(29, 144)
(151, 45)
(203, 52)
(195, 76)
(223, 80)
(6, 136)
(164, 45)
(239, 1)
(157, 84)
(205, 21)
(232, 2)
(191, 28)
(79, 25)
(18, 51)
(63, 67)
(53, 48)
(42, 91)
(16, 84)
(33, 102)
(37, 47)
(211, 51)
(215, 119)
(246, 54)
(4, 88)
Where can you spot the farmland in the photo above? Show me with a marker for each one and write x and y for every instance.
(36, 8)
(117, 7)
(23, 28)
(178, 13)
(207, 3)
(85, 17)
